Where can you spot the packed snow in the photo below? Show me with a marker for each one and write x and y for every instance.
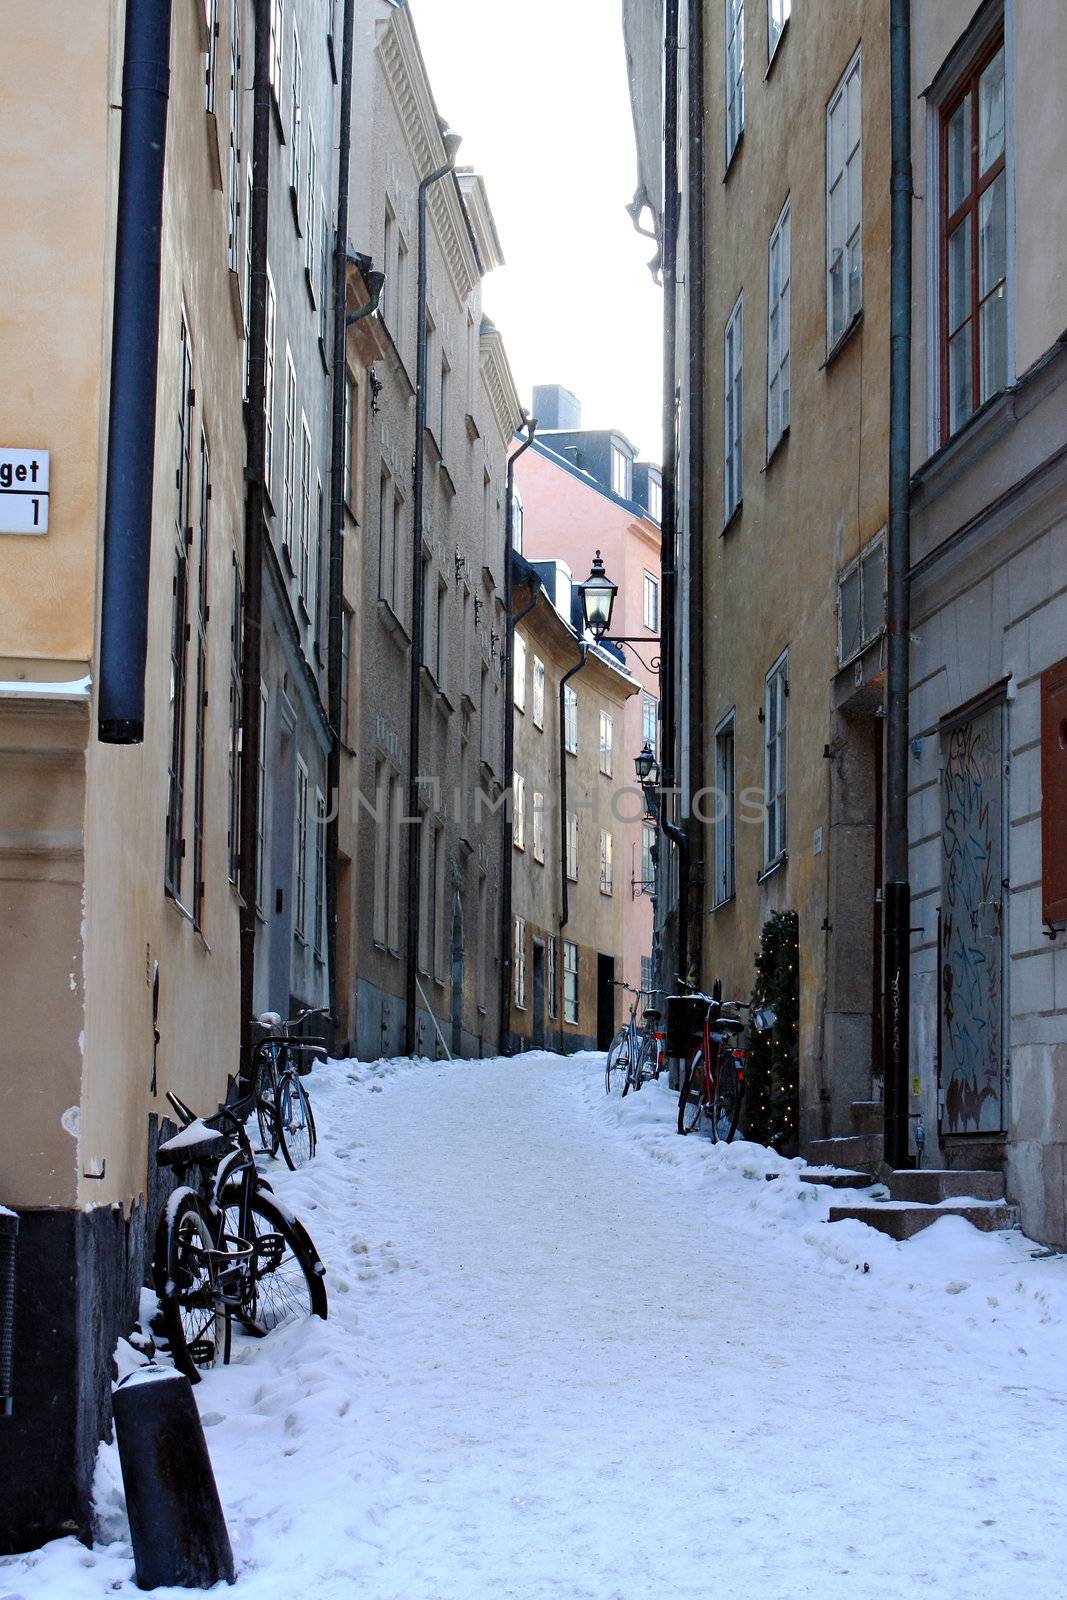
(571, 1356)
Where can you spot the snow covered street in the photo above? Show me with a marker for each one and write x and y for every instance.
(572, 1355)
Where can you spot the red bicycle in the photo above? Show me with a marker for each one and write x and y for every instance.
(713, 1079)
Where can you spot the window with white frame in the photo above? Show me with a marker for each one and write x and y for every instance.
(233, 176)
(650, 612)
(310, 191)
(570, 720)
(324, 269)
(650, 723)
(538, 815)
(300, 864)
(518, 811)
(778, 268)
(572, 846)
(295, 90)
(390, 511)
(570, 981)
(607, 744)
(520, 963)
(276, 47)
(844, 205)
(733, 341)
(347, 425)
(777, 16)
(551, 978)
(735, 75)
(516, 522)
(621, 472)
(289, 455)
(306, 495)
(212, 55)
(607, 863)
(655, 497)
(538, 692)
(520, 672)
(775, 758)
(725, 885)
(268, 384)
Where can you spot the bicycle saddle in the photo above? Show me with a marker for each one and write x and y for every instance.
(722, 1027)
(195, 1144)
(651, 1016)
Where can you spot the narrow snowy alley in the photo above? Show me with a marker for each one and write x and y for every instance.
(571, 1355)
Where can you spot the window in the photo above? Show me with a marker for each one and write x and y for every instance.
(268, 385)
(724, 887)
(570, 981)
(550, 973)
(200, 706)
(735, 75)
(175, 850)
(621, 472)
(516, 522)
(388, 299)
(306, 493)
(649, 723)
(349, 423)
(233, 178)
(570, 720)
(538, 813)
(233, 833)
(310, 187)
(651, 603)
(437, 903)
(289, 456)
(778, 331)
(483, 945)
(518, 811)
(777, 16)
(324, 270)
(607, 744)
(442, 415)
(399, 316)
(655, 497)
(844, 206)
(520, 962)
(648, 858)
(861, 601)
(1054, 794)
(212, 55)
(607, 863)
(387, 519)
(261, 802)
(320, 563)
(732, 354)
(520, 673)
(300, 863)
(647, 978)
(538, 692)
(295, 87)
(974, 224)
(346, 669)
(572, 846)
(386, 850)
(775, 728)
(440, 655)
(484, 743)
(276, 31)
(320, 874)
(246, 286)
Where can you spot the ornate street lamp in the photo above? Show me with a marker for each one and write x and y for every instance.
(598, 599)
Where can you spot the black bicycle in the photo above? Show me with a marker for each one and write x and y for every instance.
(226, 1248)
(281, 1057)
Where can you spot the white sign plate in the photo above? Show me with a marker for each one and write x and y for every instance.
(23, 491)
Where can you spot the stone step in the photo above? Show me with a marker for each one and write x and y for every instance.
(900, 1220)
(860, 1151)
(837, 1177)
(868, 1116)
(931, 1184)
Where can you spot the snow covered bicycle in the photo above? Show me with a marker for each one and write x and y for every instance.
(280, 1059)
(226, 1248)
(713, 1075)
(636, 1053)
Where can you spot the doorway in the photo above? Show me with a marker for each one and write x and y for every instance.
(457, 976)
(605, 1000)
(538, 1018)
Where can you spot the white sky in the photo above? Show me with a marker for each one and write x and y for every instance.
(538, 90)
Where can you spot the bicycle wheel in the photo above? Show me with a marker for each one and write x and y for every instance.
(691, 1113)
(185, 1271)
(647, 1057)
(726, 1102)
(267, 1102)
(288, 1279)
(616, 1064)
(296, 1125)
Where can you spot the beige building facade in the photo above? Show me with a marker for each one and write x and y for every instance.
(116, 863)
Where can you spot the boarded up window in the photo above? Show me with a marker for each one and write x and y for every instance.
(1054, 793)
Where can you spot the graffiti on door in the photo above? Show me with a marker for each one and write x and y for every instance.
(972, 901)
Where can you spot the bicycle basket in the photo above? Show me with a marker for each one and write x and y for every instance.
(685, 1022)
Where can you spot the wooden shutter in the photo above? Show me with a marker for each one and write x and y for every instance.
(1054, 793)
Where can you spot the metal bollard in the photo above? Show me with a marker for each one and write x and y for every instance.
(176, 1523)
(9, 1227)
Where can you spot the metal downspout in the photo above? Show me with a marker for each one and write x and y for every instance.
(255, 426)
(131, 441)
(564, 897)
(897, 890)
(695, 300)
(335, 589)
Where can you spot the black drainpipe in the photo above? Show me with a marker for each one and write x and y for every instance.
(669, 630)
(509, 723)
(131, 441)
(897, 890)
(417, 599)
(564, 895)
(255, 433)
(335, 587)
(695, 297)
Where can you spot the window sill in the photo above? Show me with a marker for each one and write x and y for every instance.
(332, 53)
(731, 159)
(276, 113)
(728, 900)
(777, 47)
(733, 519)
(843, 340)
(235, 302)
(294, 202)
(392, 622)
(309, 285)
(323, 356)
(214, 151)
(772, 867)
(473, 432)
(180, 907)
(777, 448)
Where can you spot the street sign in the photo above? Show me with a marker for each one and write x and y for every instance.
(23, 491)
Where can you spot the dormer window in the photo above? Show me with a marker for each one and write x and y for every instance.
(621, 472)
(655, 497)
